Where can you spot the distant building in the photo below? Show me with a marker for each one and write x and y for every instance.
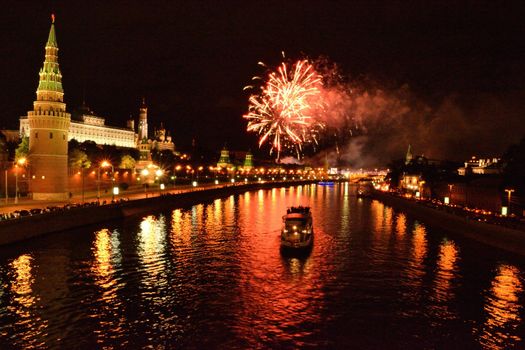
(87, 126)
(224, 160)
(161, 141)
(248, 162)
(488, 166)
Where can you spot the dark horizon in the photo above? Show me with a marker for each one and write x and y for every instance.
(191, 62)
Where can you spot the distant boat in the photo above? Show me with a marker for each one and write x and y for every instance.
(297, 232)
(326, 183)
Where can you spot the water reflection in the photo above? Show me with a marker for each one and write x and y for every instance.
(211, 275)
(443, 282)
(152, 242)
(419, 246)
(107, 255)
(106, 265)
(30, 325)
(401, 225)
(503, 310)
(281, 292)
(23, 282)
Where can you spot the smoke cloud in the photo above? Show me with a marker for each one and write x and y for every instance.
(370, 124)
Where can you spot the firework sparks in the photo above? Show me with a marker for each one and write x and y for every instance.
(283, 113)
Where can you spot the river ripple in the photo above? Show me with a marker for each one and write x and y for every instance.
(212, 276)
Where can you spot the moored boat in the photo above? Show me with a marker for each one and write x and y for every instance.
(297, 232)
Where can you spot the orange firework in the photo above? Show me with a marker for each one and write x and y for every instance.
(283, 113)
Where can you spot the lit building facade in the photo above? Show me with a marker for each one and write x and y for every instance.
(89, 127)
(224, 160)
(480, 166)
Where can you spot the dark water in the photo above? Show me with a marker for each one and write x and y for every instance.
(211, 276)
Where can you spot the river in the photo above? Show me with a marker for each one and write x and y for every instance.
(212, 276)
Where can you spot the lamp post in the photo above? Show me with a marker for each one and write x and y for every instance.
(509, 196)
(19, 162)
(104, 164)
(158, 174)
(145, 173)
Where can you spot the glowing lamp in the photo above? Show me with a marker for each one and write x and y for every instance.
(446, 200)
(504, 211)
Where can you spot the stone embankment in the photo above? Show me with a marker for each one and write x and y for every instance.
(27, 227)
(502, 237)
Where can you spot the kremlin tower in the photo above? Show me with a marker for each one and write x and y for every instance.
(143, 122)
(49, 125)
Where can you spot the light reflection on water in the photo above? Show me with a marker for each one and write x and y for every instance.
(211, 275)
(503, 308)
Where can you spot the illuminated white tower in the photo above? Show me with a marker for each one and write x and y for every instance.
(49, 126)
(143, 121)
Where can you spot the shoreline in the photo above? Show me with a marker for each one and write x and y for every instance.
(23, 228)
(501, 237)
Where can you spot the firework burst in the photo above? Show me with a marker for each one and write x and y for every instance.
(284, 112)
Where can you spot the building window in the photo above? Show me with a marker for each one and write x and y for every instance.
(50, 135)
(36, 135)
(63, 136)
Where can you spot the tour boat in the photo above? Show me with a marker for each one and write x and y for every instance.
(297, 232)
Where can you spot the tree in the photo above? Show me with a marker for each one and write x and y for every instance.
(23, 148)
(127, 162)
(78, 159)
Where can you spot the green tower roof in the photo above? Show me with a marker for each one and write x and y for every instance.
(52, 39)
(50, 75)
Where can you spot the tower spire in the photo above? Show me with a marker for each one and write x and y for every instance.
(50, 83)
(52, 40)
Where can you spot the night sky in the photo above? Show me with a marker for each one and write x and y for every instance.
(191, 59)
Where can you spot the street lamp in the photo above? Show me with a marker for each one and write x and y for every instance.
(19, 162)
(145, 173)
(509, 195)
(104, 164)
(159, 173)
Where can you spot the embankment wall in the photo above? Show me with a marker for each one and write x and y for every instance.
(494, 235)
(23, 228)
